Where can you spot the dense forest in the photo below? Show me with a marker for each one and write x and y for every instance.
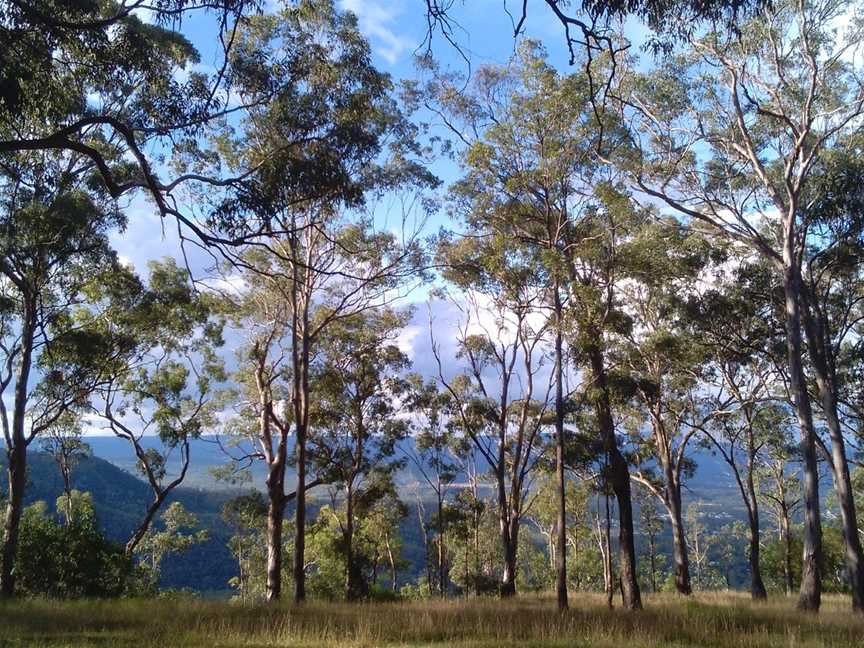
(472, 332)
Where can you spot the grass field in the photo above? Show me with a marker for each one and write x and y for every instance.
(707, 620)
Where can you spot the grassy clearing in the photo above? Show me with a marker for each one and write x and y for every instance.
(722, 620)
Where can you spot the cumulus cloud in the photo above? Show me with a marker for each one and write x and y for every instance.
(377, 21)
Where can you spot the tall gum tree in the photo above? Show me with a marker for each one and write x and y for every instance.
(529, 136)
(498, 396)
(359, 383)
(315, 152)
(663, 265)
(738, 321)
(727, 134)
(54, 254)
(347, 269)
(163, 377)
(831, 312)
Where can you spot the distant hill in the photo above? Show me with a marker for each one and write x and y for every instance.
(712, 483)
(120, 498)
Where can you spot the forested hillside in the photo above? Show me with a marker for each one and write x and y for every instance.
(119, 497)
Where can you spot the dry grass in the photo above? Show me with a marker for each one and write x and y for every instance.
(721, 620)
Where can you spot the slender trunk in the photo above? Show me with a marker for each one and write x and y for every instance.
(653, 563)
(142, 528)
(619, 477)
(757, 585)
(607, 540)
(376, 558)
(392, 562)
(561, 526)
(505, 514)
(300, 343)
(424, 533)
(17, 476)
(810, 593)
(679, 542)
(817, 344)
(352, 584)
(67, 491)
(442, 572)
(17, 454)
(275, 516)
(786, 539)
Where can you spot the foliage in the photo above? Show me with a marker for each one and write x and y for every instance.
(71, 560)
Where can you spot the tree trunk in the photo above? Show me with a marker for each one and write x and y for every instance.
(787, 552)
(817, 344)
(561, 526)
(352, 584)
(65, 472)
(275, 516)
(300, 343)
(509, 542)
(757, 585)
(619, 477)
(17, 454)
(142, 529)
(810, 594)
(442, 571)
(653, 564)
(608, 571)
(679, 542)
(17, 475)
(392, 562)
(424, 533)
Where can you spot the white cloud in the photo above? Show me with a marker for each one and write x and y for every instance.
(408, 339)
(377, 21)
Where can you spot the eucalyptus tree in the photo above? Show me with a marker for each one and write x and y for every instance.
(118, 83)
(246, 516)
(738, 320)
(651, 525)
(177, 532)
(665, 363)
(380, 527)
(163, 377)
(434, 456)
(64, 443)
(831, 311)
(495, 394)
(350, 268)
(531, 177)
(776, 483)
(359, 383)
(320, 148)
(54, 256)
(728, 134)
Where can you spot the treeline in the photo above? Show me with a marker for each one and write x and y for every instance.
(642, 261)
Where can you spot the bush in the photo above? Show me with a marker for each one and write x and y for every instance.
(381, 594)
(72, 560)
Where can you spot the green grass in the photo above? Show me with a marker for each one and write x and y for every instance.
(722, 620)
